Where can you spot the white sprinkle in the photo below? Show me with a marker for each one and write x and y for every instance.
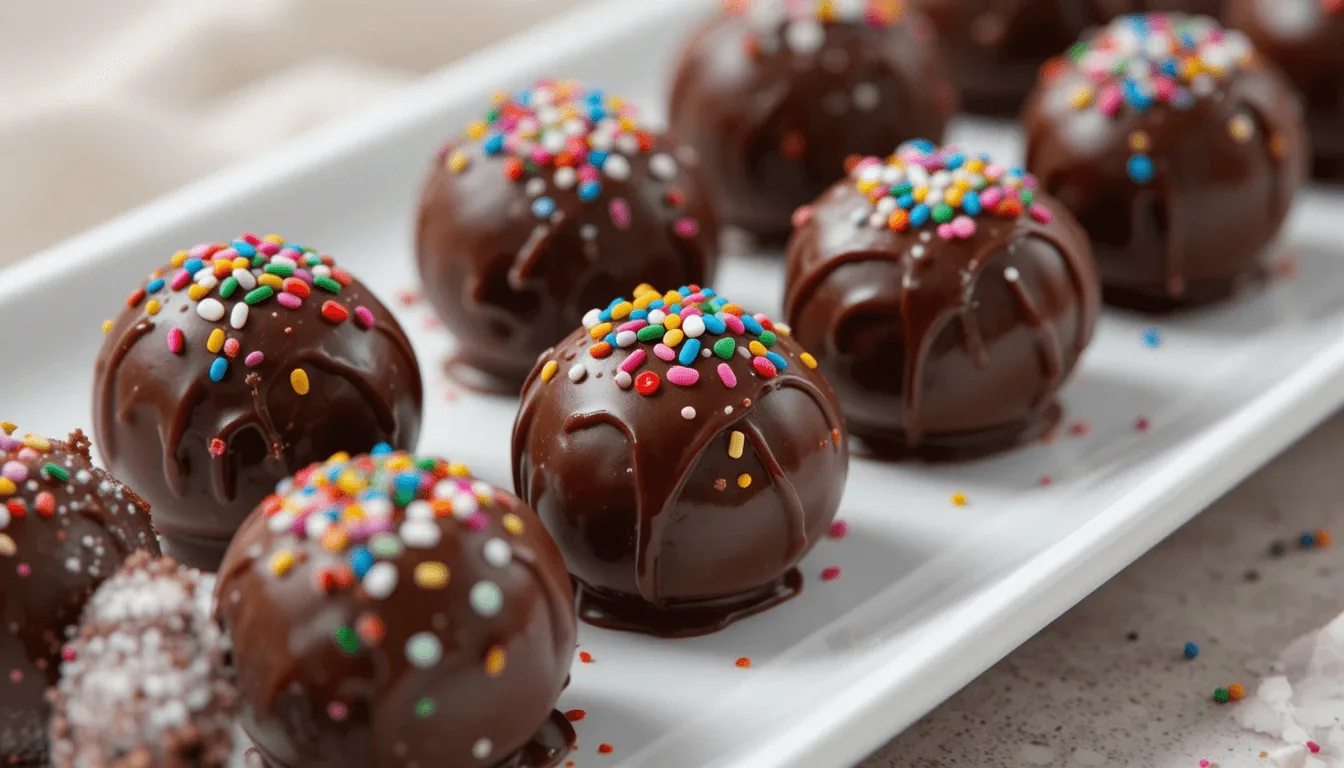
(1010, 274)
(376, 507)
(481, 749)
(316, 525)
(591, 318)
(693, 326)
(380, 581)
(464, 505)
(486, 598)
(245, 279)
(553, 142)
(728, 410)
(419, 510)
(210, 309)
(498, 553)
(663, 167)
(588, 231)
(4, 518)
(617, 167)
(280, 522)
(565, 178)
(626, 338)
(624, 380)
(577, 373)
(287, 261)
(238, 317)
(321, 270)
(866, 97)
(424, 650)
(204, 274)
(535, 186)
(688, 413)
(805, 36)
(420, 534)
(656, 317)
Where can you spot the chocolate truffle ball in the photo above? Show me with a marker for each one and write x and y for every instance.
(1178, 149)
(1305, 38)
(773, 96)
(147, 682)
(947, 301)
(393, 610)
(237, 365)
(556, 199)
(65, 527)
(685, 455)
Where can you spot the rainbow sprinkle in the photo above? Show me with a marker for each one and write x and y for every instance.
(804, 17)
(924, 185)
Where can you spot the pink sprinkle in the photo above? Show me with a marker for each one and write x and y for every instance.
(688, 311)
(227, 253)
(838, 529)
(68, 653)
(830, 573)
(694, 298)
(1166, 90)
(176, 341)
(289, 252)
(992, 171)
(633, 325)
(727, 376)
(632, 363)
(990, 198)
(289, 300)
(251, 239)
(199, 251)
(620, 213)
(664, 352)
(687, 228)
(477, 521)
(305, 276)
(1045, 480)
(268, 248)
(231, 347)
(1203, 764)
(733, 322)
(764, 367)
(682, 376)
(945, 232)
(1040, 213)
(964, 226)
(14, 471)
(253, 359)
(1313, 747)
(1141, 424)
(363, 317)
(803, 215)
(24, 569)
(589, 173)
(540, 156)
(180, 279)
(1110, 100)
(16, 675)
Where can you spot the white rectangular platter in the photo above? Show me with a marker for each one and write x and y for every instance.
(929, 594)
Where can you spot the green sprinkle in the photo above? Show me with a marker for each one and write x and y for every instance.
(725, 347)
(1221, 695)
(347, 640)
(426, 463)
(259, 294)
(424, 707)
(312, 259)
(1028, 197)
(327, 284)
(1077, 50)
(50, 470)
(258, 260)
(405, 496)
(651, 333)
(943, 213)
(768, 338)
(227, 287)
(902, 189)
(385, 545)
(276, 268)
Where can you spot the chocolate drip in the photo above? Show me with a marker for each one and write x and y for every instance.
(1052, 350)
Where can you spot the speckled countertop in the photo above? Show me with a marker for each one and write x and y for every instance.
(1107, 685)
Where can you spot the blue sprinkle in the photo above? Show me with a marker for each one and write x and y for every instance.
(923, 145)
(219, 368)
(639, 314)
(543, 207)
(604, 316)
(1191, 650)
(753, 327)
(675, 309)
(596, 97)
(684, 290)
(193, 265)
(597, 113)
(1136, 98)
(690, 350)
(954, 162)
(919, 215)
(614, 302)
(657, 304)
(610, 338)
(714, 325)
(970, 203)
(244, 248)
(598, 158)
(1168, 67)
(589, 190)
(381, 449)
(777, 359)
(154, 286)
(906, 201)
(332, 514)
(708, 292)
(361, 560)
(1140, 169)
(524, 97)
(493, 144)
(1307, 540)
(408, 481)
(1152, 338)
(308, 490)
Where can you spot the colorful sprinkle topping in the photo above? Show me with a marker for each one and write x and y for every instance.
(805, 17)
(1143, 60)
(923, 185)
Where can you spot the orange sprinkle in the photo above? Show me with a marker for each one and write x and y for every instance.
(495, 659)
(744, 662)
(960, 500)
(575, 715)
(1236, 692)
(585, 657)
(1323, 537)
(605, 749)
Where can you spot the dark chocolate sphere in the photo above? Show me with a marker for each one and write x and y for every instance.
(237, 365)
(390, 609)
(685, 455)
(65, 527)
(1182, 167)
(946, 299)
(554, 201)
(1305, 38)
(148, 682)
(774, 96)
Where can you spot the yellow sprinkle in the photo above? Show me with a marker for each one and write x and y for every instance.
(672, 297)
(826, 12)
(153, 307)
(458, 470)
(548, 370)
(645, 288)
(397, 463)
(334, 539)
(178, 259)
(350, 482)
(953, 198)
(339, 457)
(600, 330)
(808, 359)
(431, 575)
(476, 129)
(743, 480)
(735, 443)
(37, 442)
(975, 166)
(216, 341)
(643, 301)
(8, 427)
(867, 185)
(494, 661)
(622, 310)
(274, 238)
(513, 524)
(242, 262)
(1240, 128)
(629, 125)
(458, 161)
(107, 326)
(353, 513)
(921, 192)
(7, 487)
(281, 562)
(1138, 141)
(197, 292)
(298, 379)
(272, 280)
(959, 499)
(672, 321)
(499, 97)
(1081, 97)
(7, 546)
(673, 337)
(1278, 147)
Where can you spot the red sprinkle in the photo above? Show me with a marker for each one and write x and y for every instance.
(830, 573)
(17, 508)
(342, 277)
(1079, 428)
(605, 749)
(1045, 480)
(585, 657)
(744, 662)
(68, 653)
(513, 169)
(45, 504)
(838, 529)
(1141, 424)
(647, 383)
(231, 347)
(334, 312)
(575, 715)
(802, 216)
(764, 367)
(297, 287)
(136, 297)
(1313, 747)
(216, 447)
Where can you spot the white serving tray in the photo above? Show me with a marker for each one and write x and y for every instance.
(929, 595)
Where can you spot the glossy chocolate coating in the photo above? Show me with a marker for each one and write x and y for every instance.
(664, 531)
(509, 284)
(773, 120)
(58, 541)
(485, 697)
(1306, 40)
(1226, 169)
(952, 354)
(156, 412)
